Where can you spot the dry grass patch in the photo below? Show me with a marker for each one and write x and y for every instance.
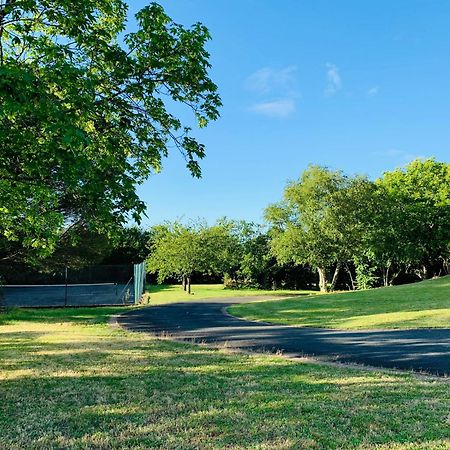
(68, 380)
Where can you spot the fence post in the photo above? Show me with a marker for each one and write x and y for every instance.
(66, 288)
(139, 277)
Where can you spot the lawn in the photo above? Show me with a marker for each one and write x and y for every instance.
(418, 305)
(68, 380)
(169, 293)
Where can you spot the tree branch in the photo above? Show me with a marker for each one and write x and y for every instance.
(2, 25)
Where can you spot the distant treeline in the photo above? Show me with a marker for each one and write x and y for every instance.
(329, 231)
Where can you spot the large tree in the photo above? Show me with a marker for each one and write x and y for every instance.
(418, 218)
(85, 112)
(301, 229)
(318, 222)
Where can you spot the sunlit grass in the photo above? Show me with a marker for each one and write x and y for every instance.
(169, 293)
(418, 305)
(68, 380)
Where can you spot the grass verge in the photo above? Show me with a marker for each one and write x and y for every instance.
(419, 305)
(170, 293)
(68, 380)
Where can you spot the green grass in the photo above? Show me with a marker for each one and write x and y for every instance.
(418, 305)
(170, 293)
(68, 380)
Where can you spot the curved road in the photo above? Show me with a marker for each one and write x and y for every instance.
(424, 350)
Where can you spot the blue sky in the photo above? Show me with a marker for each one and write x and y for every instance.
(358, 86)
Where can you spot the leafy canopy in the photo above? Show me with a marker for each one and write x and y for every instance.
(399, 223)
(178, 250)
(85, 115)
(301, 227)
(419, 199)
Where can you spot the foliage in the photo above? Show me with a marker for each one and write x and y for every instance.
(179, 251)
(420, 194)
(256, 261)
(220, 247)
(81, 248)
(365, 275)
(398, 224)
(303, 227)
(174, 251)
(130, 247)
(85, 116)
(251, 261)
(404, 223)
(236, 251)
(75, 250)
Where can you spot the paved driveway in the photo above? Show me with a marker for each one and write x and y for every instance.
(426, 350)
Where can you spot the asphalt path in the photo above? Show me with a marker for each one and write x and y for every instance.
(421, 350)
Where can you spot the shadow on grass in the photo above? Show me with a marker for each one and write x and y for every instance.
(92, 387)
(136, 392)
(81, 316)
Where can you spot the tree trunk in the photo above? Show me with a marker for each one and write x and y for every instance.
(322, 279)
(183, 282)
(425, 272)
(394, 276)
(188, 285)
(335, 276)
(352, 281)
(386, 276)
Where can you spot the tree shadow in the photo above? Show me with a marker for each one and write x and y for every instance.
(78, 315)
(92, 387)
(162, 394)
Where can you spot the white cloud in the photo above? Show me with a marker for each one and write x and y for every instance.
(259, 81)
(277, 108)
(373, 91)
(334, 81)
(269, 80)
(400, 156)
(276, 91)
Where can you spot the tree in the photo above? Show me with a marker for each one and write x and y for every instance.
(84, 116)
(311, 226)
(250, 262)
(174, 252)
(179, 251)
(395, 225)
(221, 247)
(385, 248)
(77, 249)
(419, 213)
(351, 217)
(255, 265)
(129, 247)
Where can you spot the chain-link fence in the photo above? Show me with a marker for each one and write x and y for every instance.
(90, 286)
